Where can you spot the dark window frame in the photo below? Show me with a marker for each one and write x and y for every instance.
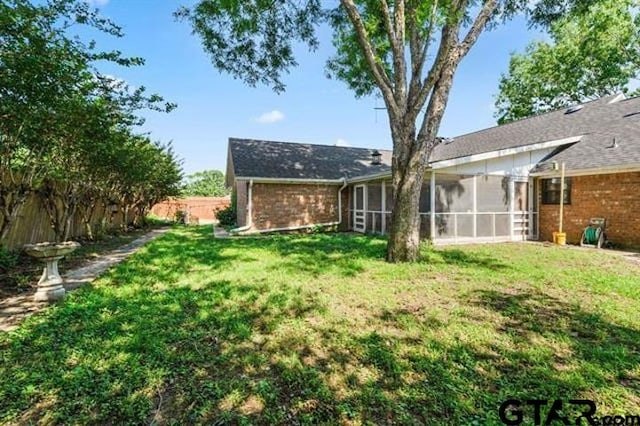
(550, 190)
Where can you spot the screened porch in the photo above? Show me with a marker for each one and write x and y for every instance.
(467, 208)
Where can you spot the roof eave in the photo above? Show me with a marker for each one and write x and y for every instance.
(503, 152)
(620, 168)
(258, 179)
(373, 176)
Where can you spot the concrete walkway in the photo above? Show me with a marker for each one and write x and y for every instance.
(14, 309)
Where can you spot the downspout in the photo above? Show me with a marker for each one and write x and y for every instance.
(250, 210)
(294, 228)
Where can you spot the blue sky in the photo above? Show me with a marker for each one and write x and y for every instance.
(213, 107)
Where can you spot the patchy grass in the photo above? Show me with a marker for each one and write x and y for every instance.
(318, 329)
(23, 274)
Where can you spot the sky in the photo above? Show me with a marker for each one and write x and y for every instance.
(213, 107)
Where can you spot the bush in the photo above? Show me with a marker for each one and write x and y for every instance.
(180, 217)
(8, 258)
(227, 217)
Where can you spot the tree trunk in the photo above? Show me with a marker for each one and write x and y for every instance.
(404, 233)
(11, 207)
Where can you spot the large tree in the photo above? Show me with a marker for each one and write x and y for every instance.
(207, 183)
(594, 51)
(406, 51)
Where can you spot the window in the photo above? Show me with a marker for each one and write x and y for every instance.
(551, 191)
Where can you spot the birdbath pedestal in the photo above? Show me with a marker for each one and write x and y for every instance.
(50, 286)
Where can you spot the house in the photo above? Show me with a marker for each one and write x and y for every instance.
(496, 184)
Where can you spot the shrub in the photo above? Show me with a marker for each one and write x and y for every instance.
(180, 216)
(8, 258)
(227, 217)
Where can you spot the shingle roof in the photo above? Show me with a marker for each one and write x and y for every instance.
(287, 160)
(551, 126)
(596, 150)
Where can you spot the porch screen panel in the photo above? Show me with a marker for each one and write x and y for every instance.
(374, 197)
(388, 196)
(521, 196)
(493, 206)
(425, 197)
(493, 193)
(425, 226)
(454, 193)
(359, 202)
(522, 220)
(454, 206)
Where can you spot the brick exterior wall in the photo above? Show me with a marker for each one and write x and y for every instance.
(289, 205)
(346, 217)
(616, 197)
(241, 202)
(203, 208)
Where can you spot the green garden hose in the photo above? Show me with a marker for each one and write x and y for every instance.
(591, 235)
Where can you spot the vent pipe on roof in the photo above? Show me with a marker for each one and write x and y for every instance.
(375, 157)
(614, 144)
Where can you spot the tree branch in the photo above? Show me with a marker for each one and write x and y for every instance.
(418, 48)
(488, 8)
(379, 74)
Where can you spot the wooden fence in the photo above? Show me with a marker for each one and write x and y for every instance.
(33, 226)
(202, 208)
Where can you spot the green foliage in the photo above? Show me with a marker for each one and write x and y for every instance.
(259, 35)
(180, 216)
(228, 217)
(8, 258)
(593, 52)
(208, 183)
(67, 131)
(318, 329)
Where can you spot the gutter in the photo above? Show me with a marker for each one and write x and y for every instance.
(250, 209)
(293, 228)
(380, 175)
(257, 179)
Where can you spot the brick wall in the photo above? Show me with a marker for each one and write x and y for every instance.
(616, 197)
(289, 205)
(346, 217)
(241, 200)
(204, 208)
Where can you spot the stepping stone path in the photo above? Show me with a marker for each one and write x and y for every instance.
(14, 309)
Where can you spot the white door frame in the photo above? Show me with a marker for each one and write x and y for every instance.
(359, 215)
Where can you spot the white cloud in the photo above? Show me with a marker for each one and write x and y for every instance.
(97, 3)
(270, 117)
(342, 142)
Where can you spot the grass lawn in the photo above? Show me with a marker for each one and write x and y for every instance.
(24, 274)
(319, 329)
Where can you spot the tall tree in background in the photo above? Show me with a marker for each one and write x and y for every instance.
(594, 51)
(208, 183)
(407, 51)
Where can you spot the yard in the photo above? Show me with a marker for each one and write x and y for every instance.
(318, 328)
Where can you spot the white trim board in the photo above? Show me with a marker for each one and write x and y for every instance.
(503, 152)
(586, 172)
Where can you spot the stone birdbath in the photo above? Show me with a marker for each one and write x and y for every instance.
(50, 288)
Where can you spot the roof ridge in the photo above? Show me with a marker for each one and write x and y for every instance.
(305, 143)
